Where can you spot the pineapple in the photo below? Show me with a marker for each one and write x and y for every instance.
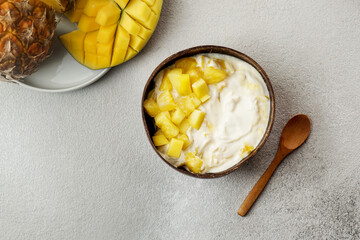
(201, 90)
(175, 147)
(123, 26)
(160, 140)
(60, 5)
(196, 118)
(26, 31)
(193, 162)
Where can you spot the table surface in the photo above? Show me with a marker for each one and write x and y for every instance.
(78, 165)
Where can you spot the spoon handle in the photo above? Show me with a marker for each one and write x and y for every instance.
(261, 183)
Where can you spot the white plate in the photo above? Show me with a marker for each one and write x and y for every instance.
(61, 72)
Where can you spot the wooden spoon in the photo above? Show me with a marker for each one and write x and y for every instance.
(294, 134)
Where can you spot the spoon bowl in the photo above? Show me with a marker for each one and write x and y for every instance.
(295, 132)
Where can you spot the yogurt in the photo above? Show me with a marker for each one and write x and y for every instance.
(237, 115)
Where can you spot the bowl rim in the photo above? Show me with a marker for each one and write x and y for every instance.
(205, 49)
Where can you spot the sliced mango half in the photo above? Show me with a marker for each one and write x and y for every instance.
(110, 31)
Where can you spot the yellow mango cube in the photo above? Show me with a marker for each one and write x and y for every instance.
(193, 162)
(177, 116)
(166, 126)
(213, 75)
(186, 140)
(121, 43)
(160, 140)
(186, 64)
(138, 10)
(130, 53)
(151, 21)
(201, 90)
(137, 43)
(78, 55)
(129, 24)
(87, 24)
(184, 126)
(156, 6)
(186, 104)
(175, 147)
(151, 107)
(103, 61)
(145, 33)
(196, 119)
(104, 49)
(93, 6)
(90, 60)
(106, 33)
(166, 101)
(90, 42)
(122, 3)
(108, 14)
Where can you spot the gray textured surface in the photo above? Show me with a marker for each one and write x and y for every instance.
(78, 165)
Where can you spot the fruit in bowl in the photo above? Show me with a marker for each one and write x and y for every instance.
(109, 33)
(207, 110)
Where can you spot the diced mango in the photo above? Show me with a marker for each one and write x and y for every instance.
(74, 43)
(186, 105)
(90, 42)
(165, 84)
(93, 6)
(186, 64)
(90, 60)
(137, 43)
(138, 10)
(105, 49)
(108, 14)
(129, 24)
(193, 162)
(177, 116)
(196, 118)
(186, 140)
(160, 140)
(213, 75)
(121, 43)
(151, 107)
(80, 4)
(145, 33)
(149, 2)
(201, 90)
(130, 54)
(166, 126)
(106, 33)
(103, 61)
(156, 7)
(174, 148)
(78, 55)
(184, 126)
(74, 14)
(87, 24)
(122, 3)
(166, 101)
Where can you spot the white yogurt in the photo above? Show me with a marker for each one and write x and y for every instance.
(237, 115)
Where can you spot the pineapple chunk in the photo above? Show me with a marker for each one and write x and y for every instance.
(177, 116)
(166, 101)
(213, 75)
(186, 64)
(201, 90)
(90, 42)
(186, 140)
(193, 162)
(139, 11)
(247, 149)
(195, 74)
(175, 147)
(196, 118)
(180, 82)
(108, 14)
(106, 33)
(87, 24)
(160, 140)
(186, 105)
(74, 14)
(80, 4)
(151, 107)
(165, 84)
(151, 94)
(122, 3)
(195, 100)
(162, 120)
(184, 126)
(158, 132)
(121, 43)
(93, 6)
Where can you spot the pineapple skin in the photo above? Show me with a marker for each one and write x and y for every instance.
(26, 32)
